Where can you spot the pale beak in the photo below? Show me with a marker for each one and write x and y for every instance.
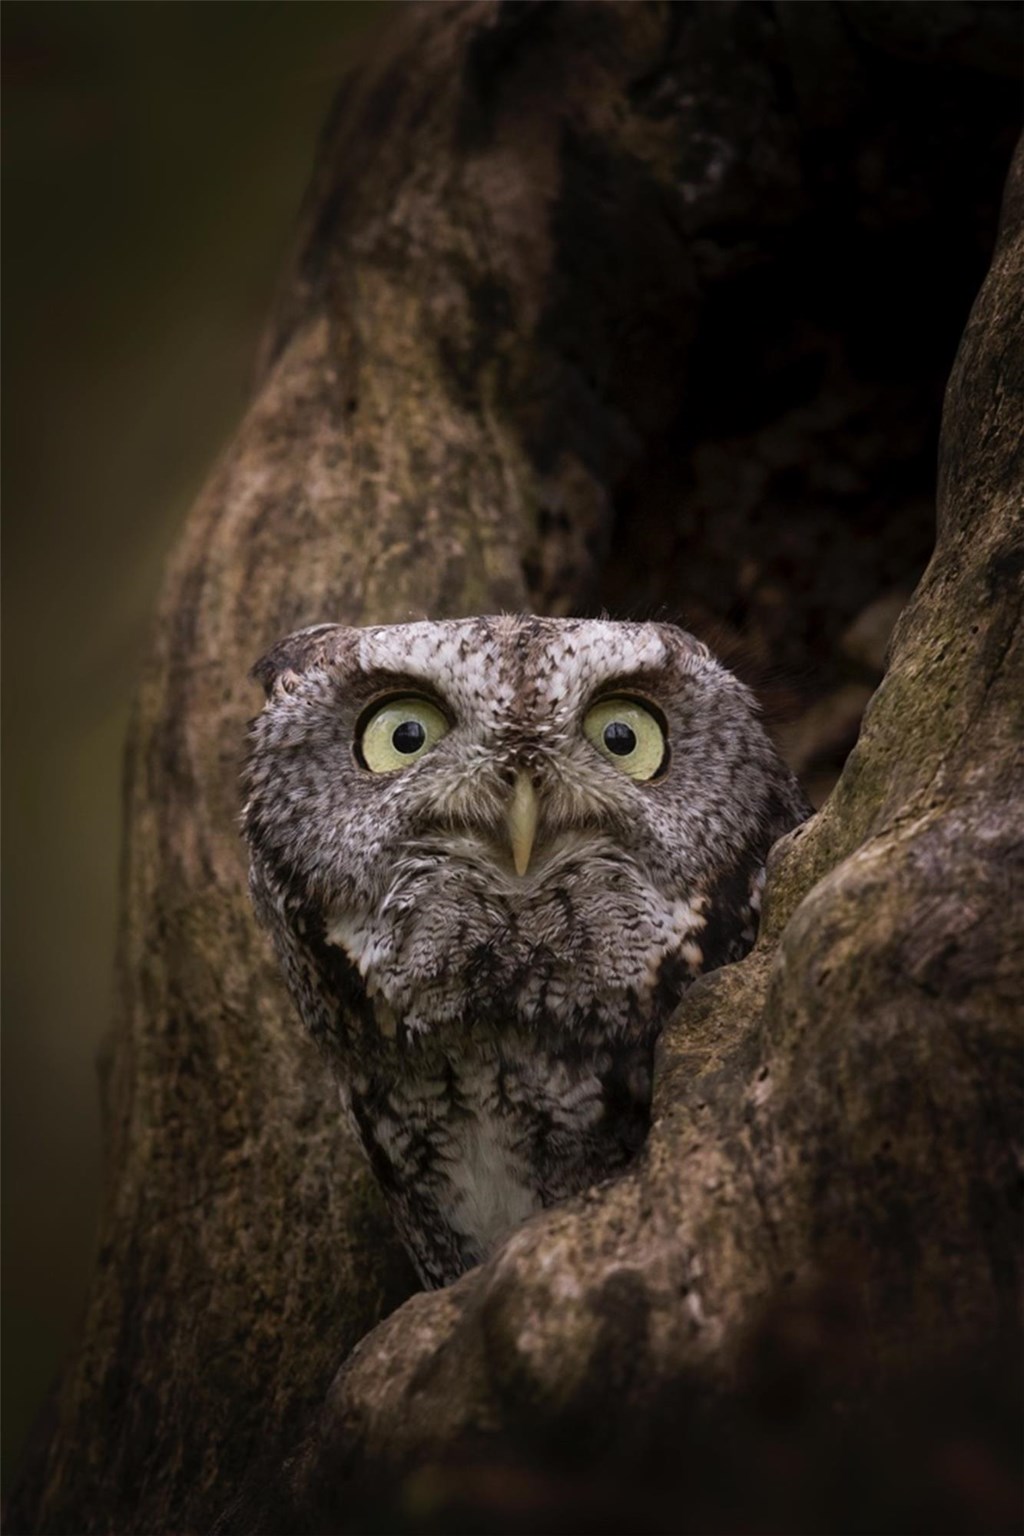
(522, 821)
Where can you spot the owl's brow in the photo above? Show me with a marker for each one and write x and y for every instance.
(645, 682)
(370, 687)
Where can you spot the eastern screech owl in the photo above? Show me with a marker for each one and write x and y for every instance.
(492, 853)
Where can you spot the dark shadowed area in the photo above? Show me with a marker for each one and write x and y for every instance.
(154, 159)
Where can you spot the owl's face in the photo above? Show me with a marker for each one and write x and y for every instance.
(558, 822)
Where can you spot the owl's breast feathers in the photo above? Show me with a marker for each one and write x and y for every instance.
(468, 1139)
(587, 948)
(511, 1066)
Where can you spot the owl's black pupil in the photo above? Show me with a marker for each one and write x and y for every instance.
(619, 738)
(408, 737)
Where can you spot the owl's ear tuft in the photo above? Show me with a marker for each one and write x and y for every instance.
(279, 670)
(684, 643)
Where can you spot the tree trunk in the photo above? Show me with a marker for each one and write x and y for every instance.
(643, 307)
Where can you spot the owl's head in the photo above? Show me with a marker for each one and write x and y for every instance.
(510, 806)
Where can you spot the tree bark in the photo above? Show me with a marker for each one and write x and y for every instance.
(836, 1117)
(577, 318)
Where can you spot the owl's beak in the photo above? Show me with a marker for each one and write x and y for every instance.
(522, 821)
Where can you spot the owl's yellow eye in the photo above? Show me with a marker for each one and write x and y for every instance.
(399, 733)
(628, 735)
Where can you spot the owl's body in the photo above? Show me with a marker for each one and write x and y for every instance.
(492, 854)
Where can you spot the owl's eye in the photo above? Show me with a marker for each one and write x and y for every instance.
(399, 732)
(629, 735)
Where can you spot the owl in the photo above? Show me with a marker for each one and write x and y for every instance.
(492, 853)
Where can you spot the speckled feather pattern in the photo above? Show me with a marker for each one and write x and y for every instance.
(493, 1033)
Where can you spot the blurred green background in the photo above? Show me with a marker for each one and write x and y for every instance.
(154, 158)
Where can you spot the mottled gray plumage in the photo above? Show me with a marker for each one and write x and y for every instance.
(492, 1030)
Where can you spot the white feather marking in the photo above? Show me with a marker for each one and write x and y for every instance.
(490, 1193)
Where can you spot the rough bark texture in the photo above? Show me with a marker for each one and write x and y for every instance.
(837, 1116)
(638, 306)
